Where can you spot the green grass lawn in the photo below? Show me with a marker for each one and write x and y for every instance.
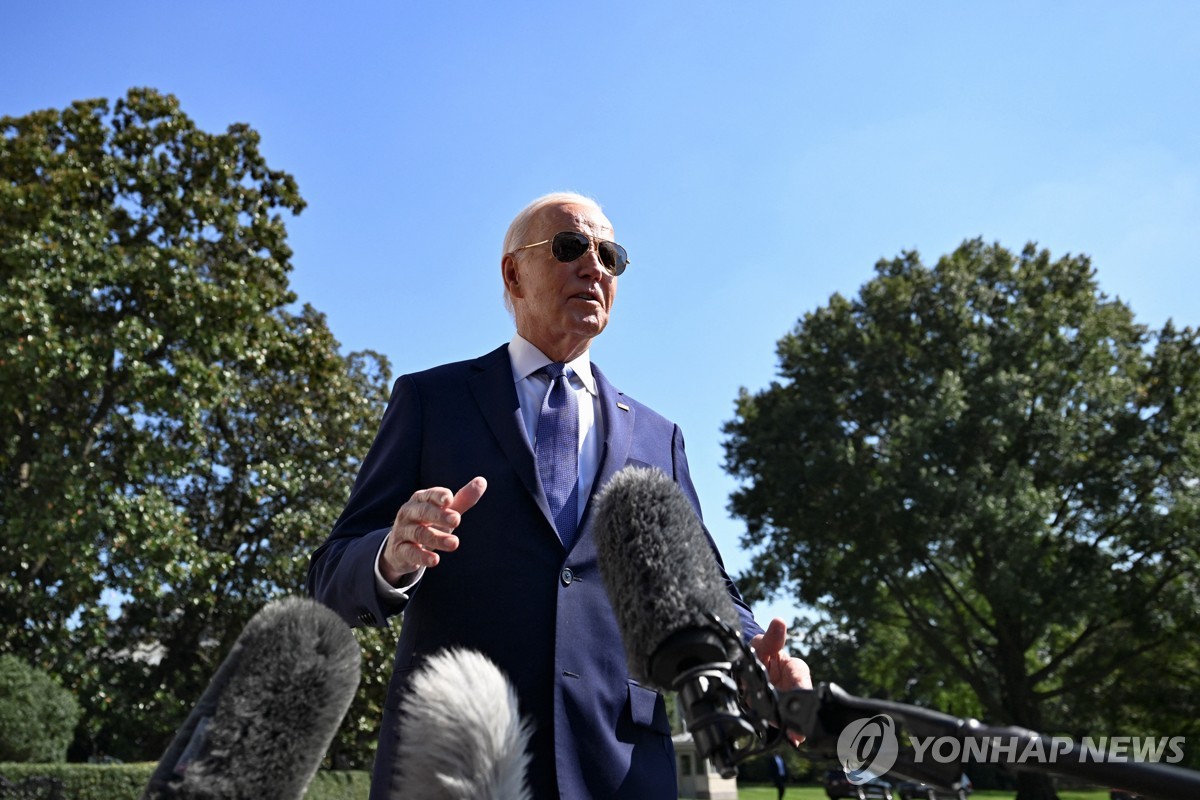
(751, 792)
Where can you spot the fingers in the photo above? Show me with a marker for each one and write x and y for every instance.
(424, 526)
(783, 670)
(800, 676)
(772, 641)
(469, 495)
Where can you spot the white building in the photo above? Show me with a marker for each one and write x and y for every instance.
(697, 777)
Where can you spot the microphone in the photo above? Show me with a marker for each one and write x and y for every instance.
(267, 717)
(654, 559)
(673, 610)
(675, 619)
(463, 736)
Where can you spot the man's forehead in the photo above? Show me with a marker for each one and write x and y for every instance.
(574, 216)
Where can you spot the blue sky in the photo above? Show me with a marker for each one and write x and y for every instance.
(754, 157)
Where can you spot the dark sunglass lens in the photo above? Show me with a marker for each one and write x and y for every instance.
(613, 256)
(569, 246)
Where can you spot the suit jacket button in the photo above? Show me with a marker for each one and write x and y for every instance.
(567, 576)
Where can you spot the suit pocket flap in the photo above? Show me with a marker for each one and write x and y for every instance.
(647, 709)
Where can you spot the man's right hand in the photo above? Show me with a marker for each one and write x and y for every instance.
(423, 526)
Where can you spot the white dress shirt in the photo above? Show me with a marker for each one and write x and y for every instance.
(531, 391)
(531, 388)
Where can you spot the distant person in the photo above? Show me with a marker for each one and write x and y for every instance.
(779, 774)
(472, 516)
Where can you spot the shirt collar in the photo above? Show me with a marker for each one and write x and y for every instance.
(527, 359)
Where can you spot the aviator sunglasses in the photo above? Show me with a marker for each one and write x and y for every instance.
(570, 245)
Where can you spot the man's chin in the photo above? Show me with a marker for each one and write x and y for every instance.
(597, 329)
(591, 325)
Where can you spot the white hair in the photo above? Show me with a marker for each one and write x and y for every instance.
(518, 229)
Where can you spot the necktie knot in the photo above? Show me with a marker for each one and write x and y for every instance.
(556, 370)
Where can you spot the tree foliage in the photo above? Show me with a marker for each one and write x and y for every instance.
(37, 715)
(983, 477)
(176, 434)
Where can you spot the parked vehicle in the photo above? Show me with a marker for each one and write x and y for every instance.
(838, 785)
(923, 791)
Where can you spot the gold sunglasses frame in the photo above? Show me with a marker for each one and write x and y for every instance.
(593, 244)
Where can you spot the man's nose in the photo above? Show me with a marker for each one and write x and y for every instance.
(589, 264)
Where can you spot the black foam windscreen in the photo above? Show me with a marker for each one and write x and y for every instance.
(661, 574)
(261, 728)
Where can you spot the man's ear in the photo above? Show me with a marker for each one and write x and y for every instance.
(511, 275)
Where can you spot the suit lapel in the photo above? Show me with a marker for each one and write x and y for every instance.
(496, 395)
(617, 417)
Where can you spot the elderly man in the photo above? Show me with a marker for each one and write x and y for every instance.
(471, 515)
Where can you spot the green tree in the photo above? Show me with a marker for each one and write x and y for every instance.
(37, 715)
(176, 434)
(356, 741)
(983, 478)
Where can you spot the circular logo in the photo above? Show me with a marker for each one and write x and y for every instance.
(867, 748)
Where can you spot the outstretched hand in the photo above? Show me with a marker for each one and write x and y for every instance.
(424, 526)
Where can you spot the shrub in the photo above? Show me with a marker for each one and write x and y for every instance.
(37, 715)
(129, 781)
(80, 781)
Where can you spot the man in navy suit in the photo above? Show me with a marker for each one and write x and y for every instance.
(454, 522)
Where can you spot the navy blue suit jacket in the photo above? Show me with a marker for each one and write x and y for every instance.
(511, 591)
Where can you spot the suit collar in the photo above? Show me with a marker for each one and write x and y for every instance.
(492, 385)
(527, 359)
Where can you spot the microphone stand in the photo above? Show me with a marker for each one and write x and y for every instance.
(822, 713)
(734, 713)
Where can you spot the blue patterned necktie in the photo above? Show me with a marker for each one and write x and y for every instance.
(557, 451)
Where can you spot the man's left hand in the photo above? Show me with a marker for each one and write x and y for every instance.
(783, 670)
